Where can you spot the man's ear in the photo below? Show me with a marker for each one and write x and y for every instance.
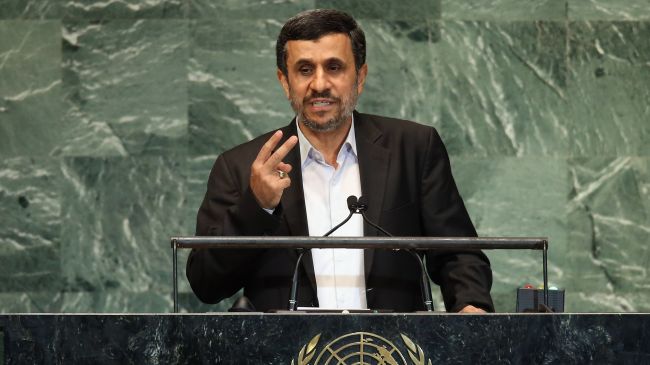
(284, 82)
(361, 78)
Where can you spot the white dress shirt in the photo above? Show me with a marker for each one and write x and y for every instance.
(340, 278)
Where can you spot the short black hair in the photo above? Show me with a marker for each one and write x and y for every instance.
(313, 24)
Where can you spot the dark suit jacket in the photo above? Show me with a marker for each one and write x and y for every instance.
(406, 176)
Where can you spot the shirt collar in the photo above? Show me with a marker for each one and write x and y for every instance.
(306, 147)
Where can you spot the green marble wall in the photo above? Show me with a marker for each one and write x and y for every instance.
(111, 113)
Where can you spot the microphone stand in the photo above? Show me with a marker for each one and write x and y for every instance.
(294, 282)
(352, 206)
(360, 206)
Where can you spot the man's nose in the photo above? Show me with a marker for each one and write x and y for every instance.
(320, 82)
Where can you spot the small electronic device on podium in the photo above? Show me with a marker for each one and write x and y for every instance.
(531, 299)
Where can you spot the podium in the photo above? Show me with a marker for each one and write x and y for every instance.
(412, 244)
(319, 339)
(328, 339)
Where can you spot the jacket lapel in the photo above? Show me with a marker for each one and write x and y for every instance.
(293, 202)
(373, 169)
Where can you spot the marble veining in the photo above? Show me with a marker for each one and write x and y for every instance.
(117, 243)
(277, 339)
(125, 8)
(609, 213)
(504, 9)
(124, 82)
(30, 9)
(30, 75)
(609, 56)
(608, 9)
(388, 10)
(503, 88)
(248, 9)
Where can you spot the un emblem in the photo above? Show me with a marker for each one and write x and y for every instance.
(360, 348)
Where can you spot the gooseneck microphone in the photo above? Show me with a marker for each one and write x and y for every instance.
(425, 286)
(353, 207)
(360, 206)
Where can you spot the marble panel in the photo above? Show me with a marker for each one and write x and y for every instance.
(504, 10)
(30, 9)
(125, 85)
(608, 90)
(121, 9)
(248, 9)
(609, 215)
(30, 239)
(119, 214)
(117, 301)
(30, 87)
(385, 10)
(609, 9)
(504, 88)
(233, 89)
(402, 80)
(518, 197)
(41, 301)
(198, 171)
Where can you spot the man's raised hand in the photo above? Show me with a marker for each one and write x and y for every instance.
(267, 179)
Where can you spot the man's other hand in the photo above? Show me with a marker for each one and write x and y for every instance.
(266, 183)
(471, 309)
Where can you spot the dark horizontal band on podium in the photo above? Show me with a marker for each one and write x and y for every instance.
(415, 243)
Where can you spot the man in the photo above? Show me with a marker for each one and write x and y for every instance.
(269, 187)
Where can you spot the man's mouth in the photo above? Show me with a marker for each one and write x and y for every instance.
(321, 104)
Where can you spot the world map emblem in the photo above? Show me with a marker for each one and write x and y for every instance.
(361, 348)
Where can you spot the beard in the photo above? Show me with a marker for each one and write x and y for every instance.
(346, 107)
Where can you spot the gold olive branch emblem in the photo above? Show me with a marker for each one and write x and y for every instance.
(415, 351)
(307, 352)
(383, 356)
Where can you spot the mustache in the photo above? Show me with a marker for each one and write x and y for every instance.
(320, 95)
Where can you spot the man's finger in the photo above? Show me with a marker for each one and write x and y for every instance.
(284, 167)
(268, 147)
(471, 309)
(281, 152)
(284, 183)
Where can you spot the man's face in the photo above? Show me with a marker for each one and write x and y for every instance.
(321, 82)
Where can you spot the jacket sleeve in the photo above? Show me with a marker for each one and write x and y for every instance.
(229, 208)
(464, 276)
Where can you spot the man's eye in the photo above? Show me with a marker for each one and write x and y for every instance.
(335, 67)
(305, 70)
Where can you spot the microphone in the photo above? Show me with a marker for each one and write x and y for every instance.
(425, 286)
(362, 206)
(353, 207)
